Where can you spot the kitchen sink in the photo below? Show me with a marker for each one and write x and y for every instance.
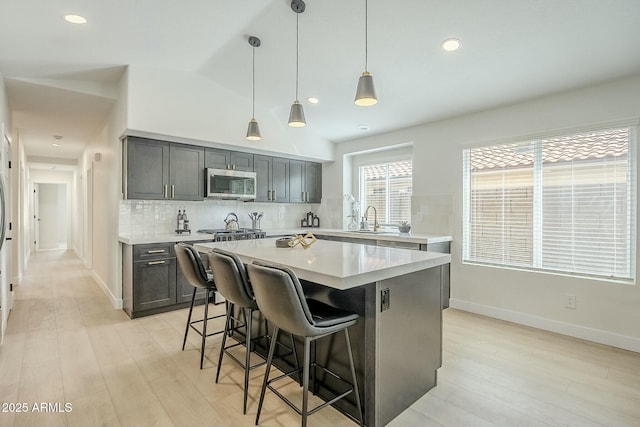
(375, 232)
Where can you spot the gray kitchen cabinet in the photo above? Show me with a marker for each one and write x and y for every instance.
(225, 159)
(161, 170)
(152, 281)
(305, 181)
(272, 179)
(149, 282)
(186, 172)
(444, 248)
(147, 168)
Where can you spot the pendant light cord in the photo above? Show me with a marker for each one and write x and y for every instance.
(297, 53)
(366, 35)
(253, 83)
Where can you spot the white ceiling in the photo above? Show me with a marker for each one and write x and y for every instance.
(61, 78)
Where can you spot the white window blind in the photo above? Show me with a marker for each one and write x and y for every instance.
(564, 204)
(387, 187)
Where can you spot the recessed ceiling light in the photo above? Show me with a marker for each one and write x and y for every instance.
(75, 19)
(55, 144)
(451, 44)
(363, 127)
(312, 100)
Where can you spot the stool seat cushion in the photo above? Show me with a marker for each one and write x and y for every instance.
(281, 299)
(325, 315)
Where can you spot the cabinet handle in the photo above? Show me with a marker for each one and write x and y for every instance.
(269, 195)
(164, 191)
(156, 251)
(274, 195)
(173, 191)
(155, 262)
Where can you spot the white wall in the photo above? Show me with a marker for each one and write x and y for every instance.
(106, 194)
(606, 312)
(5, 260)
(172, 103)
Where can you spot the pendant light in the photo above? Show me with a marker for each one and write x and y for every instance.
(366, 92)
(296, 116)
(253, 131)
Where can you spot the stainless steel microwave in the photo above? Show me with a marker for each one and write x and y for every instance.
(230, 184)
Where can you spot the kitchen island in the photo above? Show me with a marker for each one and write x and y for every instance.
(397, 342)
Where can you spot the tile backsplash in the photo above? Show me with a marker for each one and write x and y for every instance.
(157, 217)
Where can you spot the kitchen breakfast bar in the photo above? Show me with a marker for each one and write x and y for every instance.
(397, 342)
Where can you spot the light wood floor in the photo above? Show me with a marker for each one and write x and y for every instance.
(66, 344)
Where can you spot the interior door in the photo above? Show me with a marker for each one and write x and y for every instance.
(52, 219)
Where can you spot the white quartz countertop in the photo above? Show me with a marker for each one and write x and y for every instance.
(338, 265)
(391, 236)
(141, 239)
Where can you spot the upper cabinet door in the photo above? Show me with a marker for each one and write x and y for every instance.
(216, 158)
(241, 161)
(262, 168)
(147, 171)
(313, 182)
(280, 180)
(296, 181)
(225, 159)
(186, 172)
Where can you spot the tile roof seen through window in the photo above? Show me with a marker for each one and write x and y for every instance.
(396, 170)
(612, 143)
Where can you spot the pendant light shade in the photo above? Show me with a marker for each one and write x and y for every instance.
(296, 115)
(253, 131)
(366, 92)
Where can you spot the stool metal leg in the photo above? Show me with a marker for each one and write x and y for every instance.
(248, 321)
(204, 328)
(353, 375)
(224, 339)
(272, 348)
(305, 379)
(186, 332)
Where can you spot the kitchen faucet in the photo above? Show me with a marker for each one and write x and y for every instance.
(375, 217)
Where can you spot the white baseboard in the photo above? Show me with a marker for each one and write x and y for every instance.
(115, 302)
(572, 330)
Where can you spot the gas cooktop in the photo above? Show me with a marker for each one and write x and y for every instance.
(239, 234)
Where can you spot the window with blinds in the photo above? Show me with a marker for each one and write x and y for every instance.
(563, 204)
(387, 187)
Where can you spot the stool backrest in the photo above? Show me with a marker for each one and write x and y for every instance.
(191, 265)
(231, 277)
(280, 298)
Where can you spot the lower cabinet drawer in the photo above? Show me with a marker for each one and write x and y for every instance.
(155, 283)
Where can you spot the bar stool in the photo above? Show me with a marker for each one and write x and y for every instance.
(231, 280)
(281, 300)
(195, 273)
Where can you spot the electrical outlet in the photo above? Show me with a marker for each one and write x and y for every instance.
(385, 299)
(571, 301)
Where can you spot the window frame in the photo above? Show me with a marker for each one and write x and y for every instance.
(632, 203)
(383, 160)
